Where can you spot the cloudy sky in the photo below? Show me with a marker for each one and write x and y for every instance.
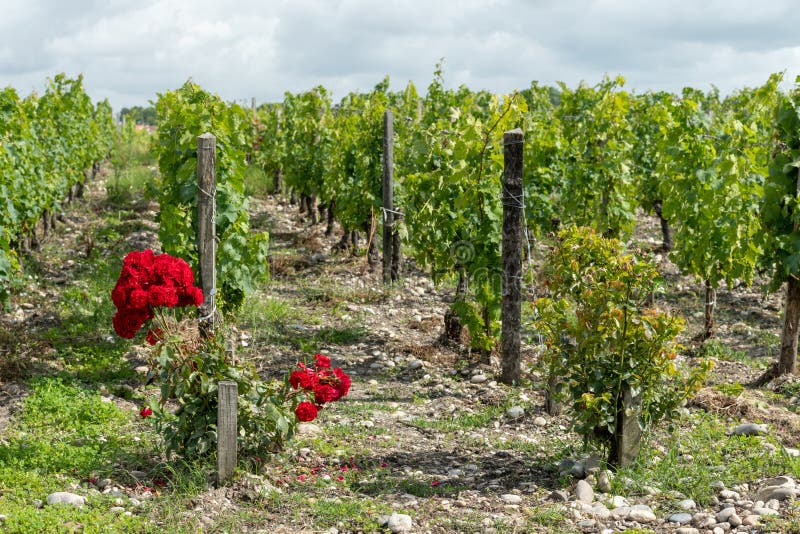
(129, 51)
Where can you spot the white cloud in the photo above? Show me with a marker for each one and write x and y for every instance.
(129, 51)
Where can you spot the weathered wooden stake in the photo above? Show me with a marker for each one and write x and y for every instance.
(628, 435)
(277, 182)
(206, 229)
(708, 318)
(388, 194)
(397, 257)
(787, 361)
(512, 256)
(227, 412)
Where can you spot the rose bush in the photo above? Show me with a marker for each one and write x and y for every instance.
(149, 293)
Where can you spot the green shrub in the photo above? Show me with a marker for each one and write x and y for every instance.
(606, 338)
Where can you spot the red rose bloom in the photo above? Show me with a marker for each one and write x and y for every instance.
(162, 295)
(145, 412)
(325, 393)
(197, 295)
(138, 298)
(154, 336)
(306, 411)
(323, 361)
(140, 261)
(119, 296)
(305, 379)
(128, 321)
(344, 381)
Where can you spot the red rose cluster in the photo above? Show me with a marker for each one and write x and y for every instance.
(148, 281)
(326, 384)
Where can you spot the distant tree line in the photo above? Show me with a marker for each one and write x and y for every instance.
(139, 114)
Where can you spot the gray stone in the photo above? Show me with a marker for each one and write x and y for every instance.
(116, 509)
(729, 494)
(764, 511)
(642, 513)
(779, 493)
(591, 464)
(603, 481)
(37, 503)
(139, 475)
(687, 530)
(559, 496)
(565, 465)
(687, 504)
(751, 520)
(618, 501)
(578, 470)
(749, 429)
(510, 498)
(3, 518)
(515, 412)
(478, 379)
(414, 364)
(781, 481)
(724, 514)
(103, 483)
(399, 523)
(586, 524)
(64, 497)
(734, 520)
(704, 520)
(680, 518)
(584, 492)
(600, 511)
(621, 512)
(540, 421)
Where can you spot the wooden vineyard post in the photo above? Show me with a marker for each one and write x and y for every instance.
(227, 412)
(513, 206)
(787, 361)
(388, 193)
(628, 435)
(206, 230)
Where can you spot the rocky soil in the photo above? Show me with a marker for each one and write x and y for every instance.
(429, 438)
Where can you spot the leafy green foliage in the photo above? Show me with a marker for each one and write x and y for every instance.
(779, 212)
(604, 337)
(189, 371)
(185, 114)
(648, 115)
(544, 159)
(353, 173)
(715, 156)
(598, 189)
(305, 119)
(269, 144)
(454, 207)
(47, 144)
